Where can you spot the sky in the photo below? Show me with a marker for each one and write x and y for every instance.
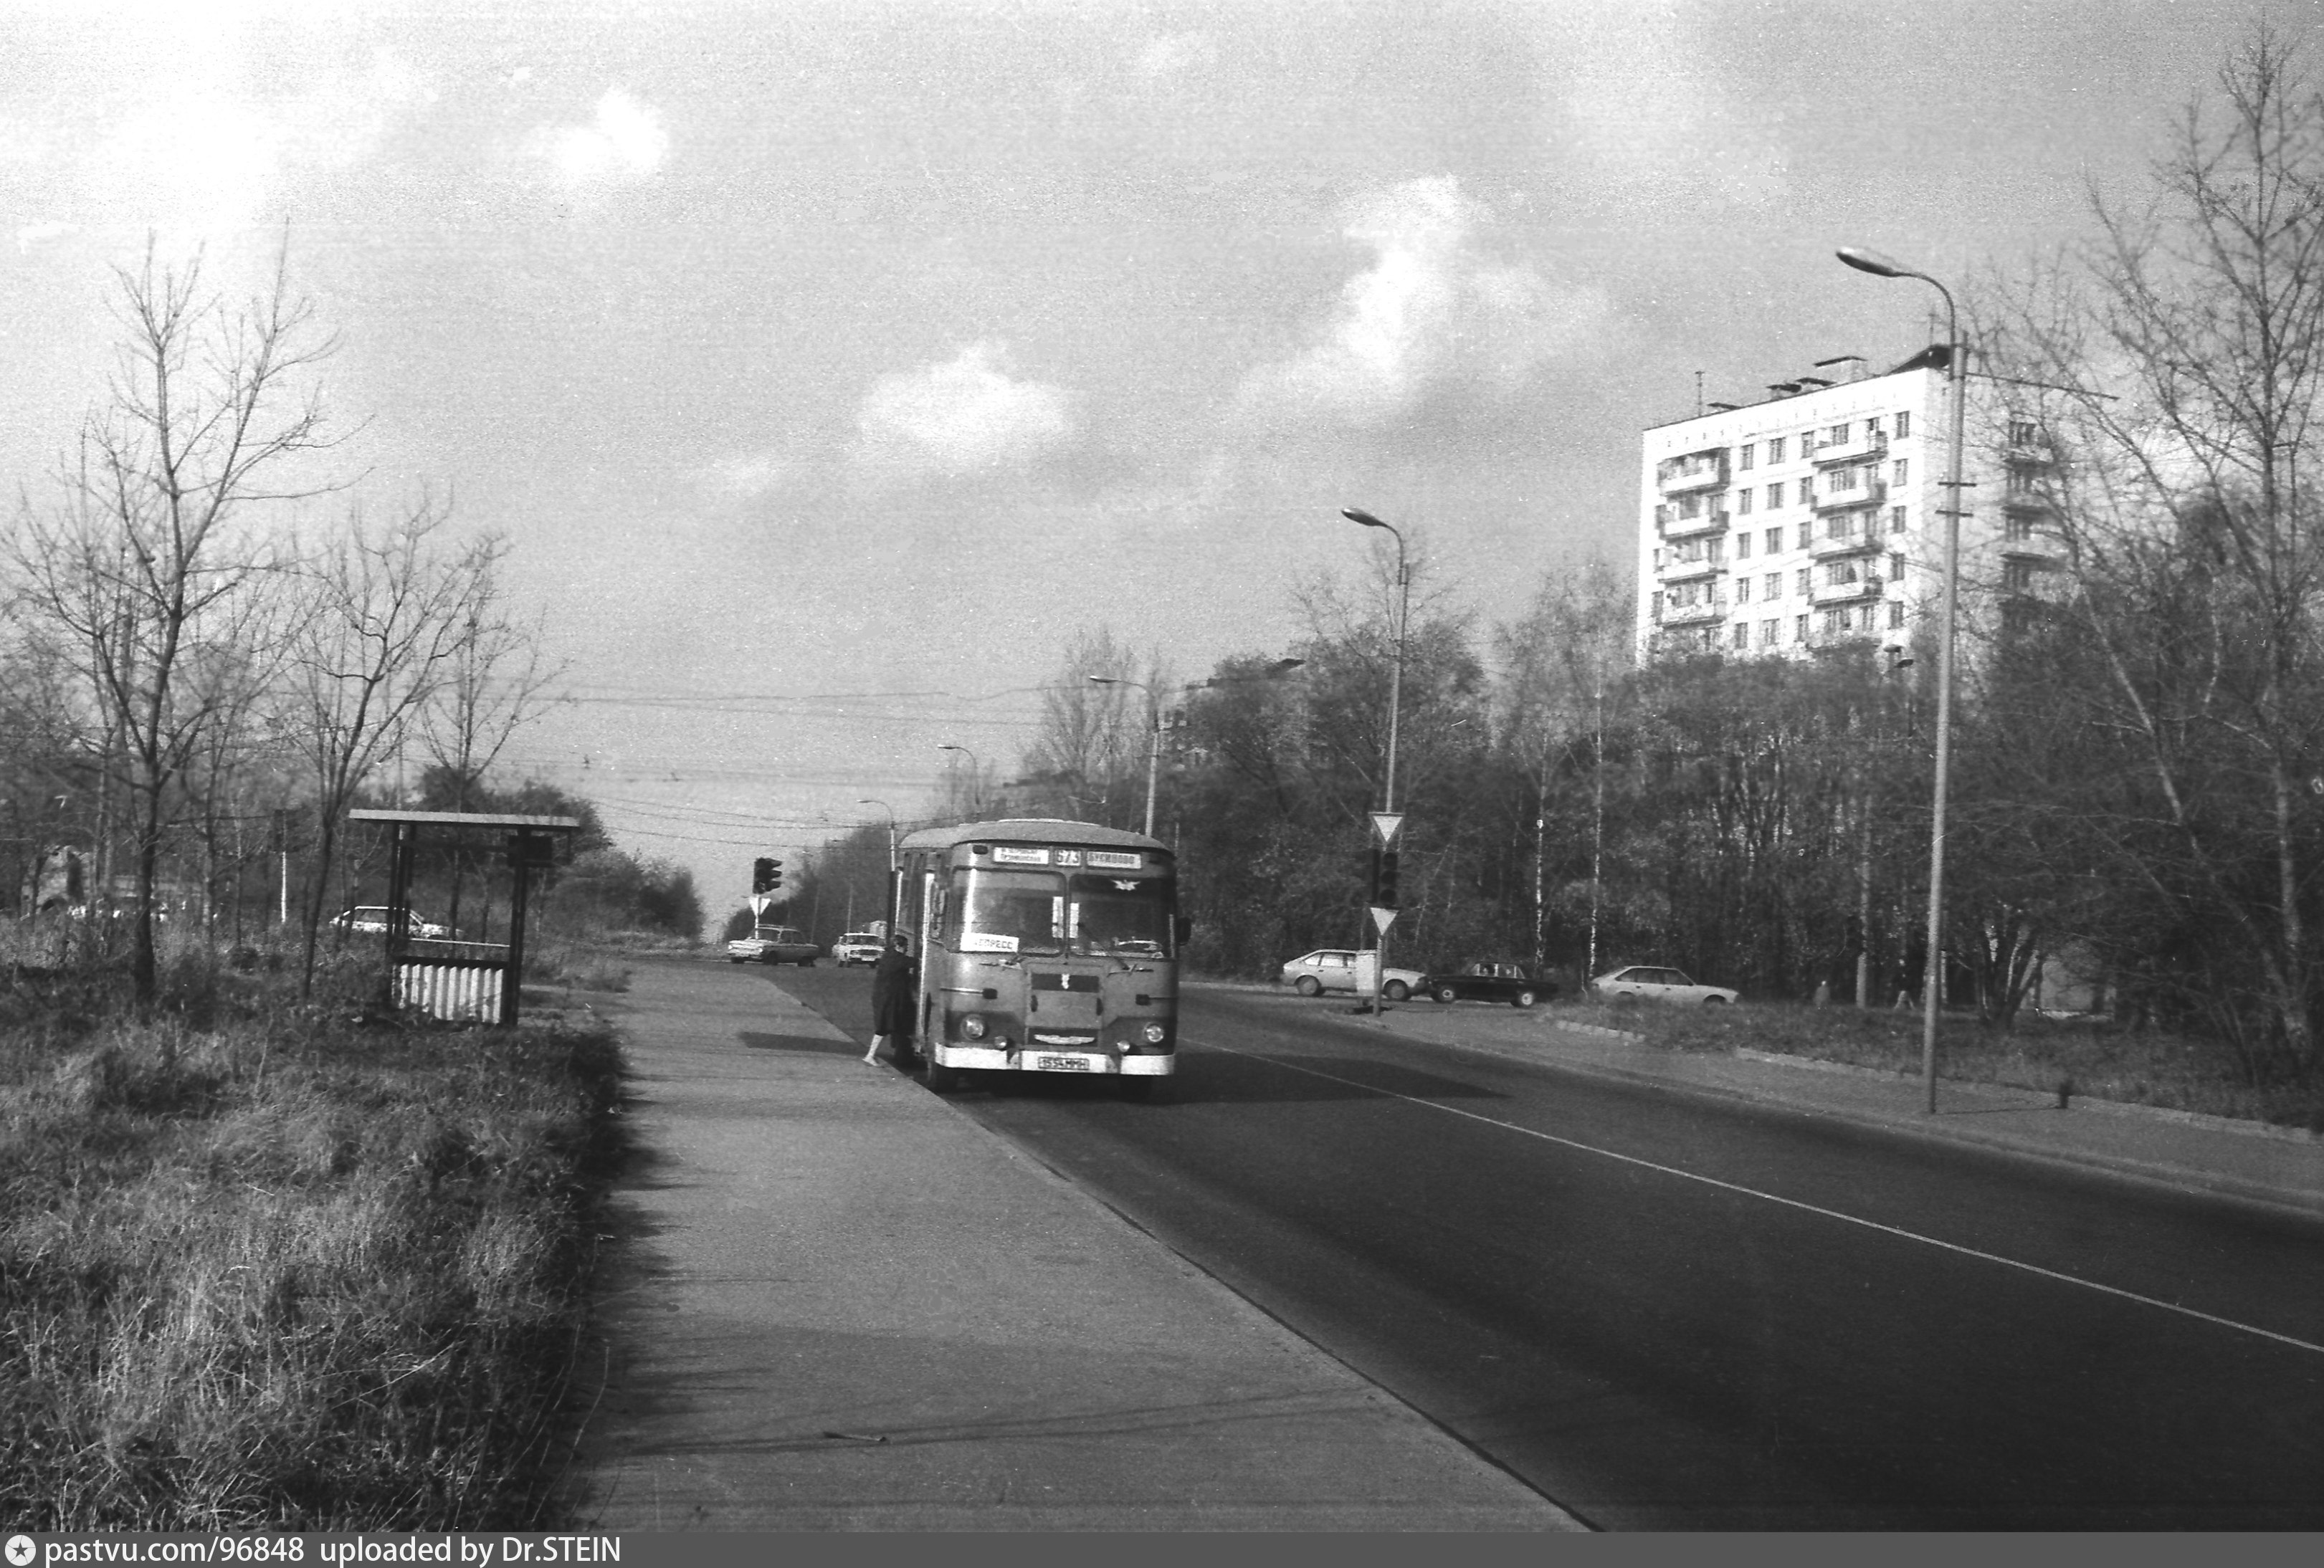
(829, 367)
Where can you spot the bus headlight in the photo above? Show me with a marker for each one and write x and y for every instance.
(1154, 1035)
(973, 1027)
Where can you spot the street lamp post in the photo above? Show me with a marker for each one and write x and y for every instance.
(1395, 709)
(1154, 745)
(1957, 389)
(891, 859)
(975, 771)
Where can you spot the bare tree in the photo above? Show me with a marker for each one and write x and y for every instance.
(496, 681)
(158, 545)
(382, 623)
(2178, 368)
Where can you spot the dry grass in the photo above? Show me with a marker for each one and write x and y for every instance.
(269, 1267)
(2078, 1056)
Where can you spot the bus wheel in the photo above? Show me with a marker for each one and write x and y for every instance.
(1138, 1090)
(941, 1079)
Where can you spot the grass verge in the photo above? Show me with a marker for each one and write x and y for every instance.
(293, 1271)
(2068, 1056)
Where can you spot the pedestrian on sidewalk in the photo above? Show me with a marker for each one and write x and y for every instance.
(895, 983)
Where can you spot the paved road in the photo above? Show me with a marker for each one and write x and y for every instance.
(1670, 1312)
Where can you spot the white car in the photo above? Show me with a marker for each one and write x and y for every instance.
(1345, 969)
(1648, 983)
(373, 919)
(857, 948)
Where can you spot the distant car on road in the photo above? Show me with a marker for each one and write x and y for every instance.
(373, 919)
(773, 944)
(1648, 983)
(857, 948)
(1490, 982)
(1345, 969)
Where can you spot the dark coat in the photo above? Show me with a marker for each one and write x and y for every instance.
(895, 979)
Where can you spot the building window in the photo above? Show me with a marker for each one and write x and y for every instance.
(1835, 527)
(1895, 520)
(1841, 479)
(1768, 632)
(1902, 467)
(1775, 496)
(2024, 433)
(1743, 500)
(1775, 541)
(1774, 586)
(1743, 454)
(1838, 571)
(1835, 620)
(1714, 551)
(1742, 635)
(1904, 424)
(1807, 580)
(1872, 428)
(1895, 568)
(1774, 450)
(2018, 525)
(1800, 628)
(1742, 591)
(1836, 437)
(2018, 576)
(2022, 481)
(1690, 506)
(1896, 614)
(1743, 546)
(1807, 535)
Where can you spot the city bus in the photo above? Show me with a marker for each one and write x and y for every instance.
(1045, 946)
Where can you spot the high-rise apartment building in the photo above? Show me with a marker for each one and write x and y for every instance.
(1812, 519)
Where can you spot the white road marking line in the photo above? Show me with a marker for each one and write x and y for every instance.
(1786, 1202)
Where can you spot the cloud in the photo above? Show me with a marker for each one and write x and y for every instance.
(624, 144)
(1172, 54)
(966, 416)
(33, 235)
(748, 477)
(1433, 318)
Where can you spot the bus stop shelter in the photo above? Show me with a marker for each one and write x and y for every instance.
(478, 981)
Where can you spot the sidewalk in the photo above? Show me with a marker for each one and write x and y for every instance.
(842, 1304)
(2190, 1152)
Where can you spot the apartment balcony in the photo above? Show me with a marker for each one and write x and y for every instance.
(1824, 595)
(1703, 522)
(1688, 570)
(1859, 449)
(1701, 614)
(1874, 493)
(1864, 542)
(1695, 471)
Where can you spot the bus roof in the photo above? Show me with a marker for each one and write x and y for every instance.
(1031, 831)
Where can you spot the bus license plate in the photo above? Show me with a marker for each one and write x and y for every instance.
(1061, 1064)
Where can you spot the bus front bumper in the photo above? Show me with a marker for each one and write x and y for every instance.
(1039, 1059)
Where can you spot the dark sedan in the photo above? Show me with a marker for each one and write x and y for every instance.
(1487, 982)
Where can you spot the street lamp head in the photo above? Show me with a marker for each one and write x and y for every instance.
(1104, 681)
(1874, 262)
(1366, 519)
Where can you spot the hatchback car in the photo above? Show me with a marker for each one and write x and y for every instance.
(1648, 983)
(1339, 969)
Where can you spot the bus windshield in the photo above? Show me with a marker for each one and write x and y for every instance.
(1126, 916)
(1006, 911)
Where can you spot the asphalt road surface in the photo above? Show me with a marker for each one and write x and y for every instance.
(1669, 1313)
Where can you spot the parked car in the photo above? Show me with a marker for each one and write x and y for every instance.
(1345, 969)
(857, 948)
(773, 944)
(1489, 982)
(1649, 983)
(373, 919)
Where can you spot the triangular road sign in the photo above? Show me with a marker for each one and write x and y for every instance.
(759, 902)
(1386, 824)
(1383, 918)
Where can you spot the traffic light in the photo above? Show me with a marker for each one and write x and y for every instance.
(762, 875)
(774, 875)
(1383, 878)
